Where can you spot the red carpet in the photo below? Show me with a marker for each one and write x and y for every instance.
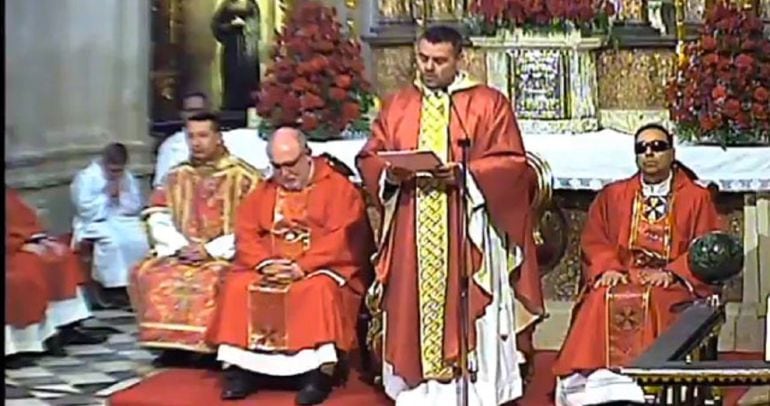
(188, 387)
(191, 387)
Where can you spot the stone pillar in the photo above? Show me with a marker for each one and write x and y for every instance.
(76, 78)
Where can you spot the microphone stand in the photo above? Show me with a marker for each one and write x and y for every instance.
(467, 374)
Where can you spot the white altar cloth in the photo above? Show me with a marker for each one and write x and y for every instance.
(585, 161)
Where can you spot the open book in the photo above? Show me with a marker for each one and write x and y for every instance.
(415, 161)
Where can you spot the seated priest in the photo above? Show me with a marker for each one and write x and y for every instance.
(289, 306)
(108, 202)
(190, 223)
(42, 285)
(635, 252)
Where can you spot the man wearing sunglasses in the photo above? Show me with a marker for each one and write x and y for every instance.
(303, 244)
(635, 268)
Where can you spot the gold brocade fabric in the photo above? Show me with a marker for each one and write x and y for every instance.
(432, 238)
(174, 301)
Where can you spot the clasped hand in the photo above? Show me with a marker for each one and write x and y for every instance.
(281, 272)
(192, 254)
(448, 174)
(653, 277)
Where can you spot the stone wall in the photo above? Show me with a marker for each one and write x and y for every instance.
(76, 79)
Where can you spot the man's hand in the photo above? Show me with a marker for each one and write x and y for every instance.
(610, 279)
(283, 272)
(396, 175)
(34, 248)
(113, 189)
(657, 277)
(192, 254)
(448, 174)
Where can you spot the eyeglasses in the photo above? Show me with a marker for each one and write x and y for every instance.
(287, 165)
(654, 146)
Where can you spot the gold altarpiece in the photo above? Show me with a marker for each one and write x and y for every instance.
(185, 54)
(620, 85)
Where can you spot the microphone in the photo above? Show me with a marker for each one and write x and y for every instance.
(465, 141)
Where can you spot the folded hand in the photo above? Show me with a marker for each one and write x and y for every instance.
(282, 272)
(192, 254)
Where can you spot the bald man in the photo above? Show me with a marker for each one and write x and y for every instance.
(290, 305)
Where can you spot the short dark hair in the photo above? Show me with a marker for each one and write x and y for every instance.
(658, 127)
(441, 33)
(115, 154)
(206, 116)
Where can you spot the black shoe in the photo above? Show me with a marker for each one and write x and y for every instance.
(172, 358)
(54, 346)
(207, 361)
(316, 389)
(238, 384)
(73, 335)
(17, 361)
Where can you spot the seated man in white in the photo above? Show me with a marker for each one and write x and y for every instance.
(108, 202)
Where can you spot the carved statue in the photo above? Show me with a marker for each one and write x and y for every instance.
(235, 25)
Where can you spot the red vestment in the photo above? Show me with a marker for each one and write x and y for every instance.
(624, 233)
(174, 301)
(322, 228)
(498, 166)
(33, 280)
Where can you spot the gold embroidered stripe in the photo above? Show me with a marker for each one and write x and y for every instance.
(432, 240)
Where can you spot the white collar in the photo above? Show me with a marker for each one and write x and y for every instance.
(657, 189)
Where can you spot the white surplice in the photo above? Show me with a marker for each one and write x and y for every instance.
(496, 359)
(120, 240)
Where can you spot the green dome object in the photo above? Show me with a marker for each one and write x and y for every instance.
(716, 257)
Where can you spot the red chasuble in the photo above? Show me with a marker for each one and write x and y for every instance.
(628, 232)
(174, 302)
(32, 280)
(498, 166)
(322, 228)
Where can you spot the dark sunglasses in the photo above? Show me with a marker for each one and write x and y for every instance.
(654, 146)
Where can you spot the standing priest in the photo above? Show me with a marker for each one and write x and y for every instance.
(419, 263)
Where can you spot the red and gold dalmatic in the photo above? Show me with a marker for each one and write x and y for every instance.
(629, 232)
(322, 228)
(174, 302)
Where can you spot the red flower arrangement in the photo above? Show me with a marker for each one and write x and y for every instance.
(316, 80)
(722, 90)
(543, 14)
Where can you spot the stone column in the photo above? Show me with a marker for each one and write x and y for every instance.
(76, 78)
